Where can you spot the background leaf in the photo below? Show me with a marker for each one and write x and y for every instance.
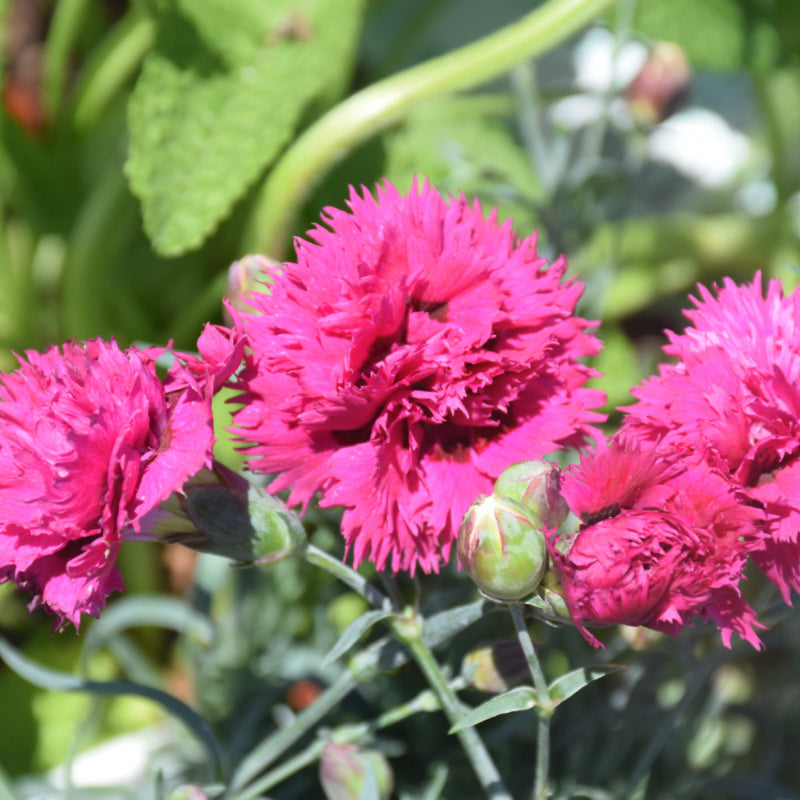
(712, 32)
(219, 96)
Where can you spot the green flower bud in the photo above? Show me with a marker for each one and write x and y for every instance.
(345, 771)
(549, 601)
(495, 668)
(501, 545)
(220, 512)
(536, 485)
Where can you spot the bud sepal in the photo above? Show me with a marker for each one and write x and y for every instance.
(220, 512)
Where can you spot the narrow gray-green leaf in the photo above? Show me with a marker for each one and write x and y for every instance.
(55, 680)
(520, 699)
(571, 683)
(354, 631)
(219, 96)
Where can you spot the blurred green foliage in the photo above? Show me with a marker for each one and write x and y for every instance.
(133, 139)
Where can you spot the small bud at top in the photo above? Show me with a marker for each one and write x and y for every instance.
(502, 547)
(536, 485)
(248, 275)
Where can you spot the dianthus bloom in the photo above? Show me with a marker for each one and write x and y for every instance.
(732, 401)
(90, 440)
(414, 351)
(658, 546)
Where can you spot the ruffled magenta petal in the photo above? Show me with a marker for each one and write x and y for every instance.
(414, 350)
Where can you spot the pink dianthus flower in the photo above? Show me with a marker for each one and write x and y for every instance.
(732, 401)
(90, 441)
(414, 351)
(658, 546)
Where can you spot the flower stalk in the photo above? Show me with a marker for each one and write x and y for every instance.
(425, 702)
(277, 744)
(540, 684)
(409, 632)
(347, 575)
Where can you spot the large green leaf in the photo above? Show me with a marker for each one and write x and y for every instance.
(219, 96)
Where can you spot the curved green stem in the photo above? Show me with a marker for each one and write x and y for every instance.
(409, 632)
(371, 110)
(540, 684)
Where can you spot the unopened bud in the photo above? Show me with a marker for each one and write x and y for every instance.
(661, 86)
(348, 772)
(220, 512)
(495, 668)
(248, 274)
(536, 485)
(501, 545)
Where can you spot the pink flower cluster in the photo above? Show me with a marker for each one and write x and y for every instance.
(659, 544)
(91, 439)
(732, 404)
(414, 350)
(704, 473)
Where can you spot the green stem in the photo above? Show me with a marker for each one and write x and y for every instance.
(381, 656)
(523, 81)
(281, 773)
(280, 741)
(540, 683)
(319, 558)
(371, 110)
(424, 702)
(409, 632)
